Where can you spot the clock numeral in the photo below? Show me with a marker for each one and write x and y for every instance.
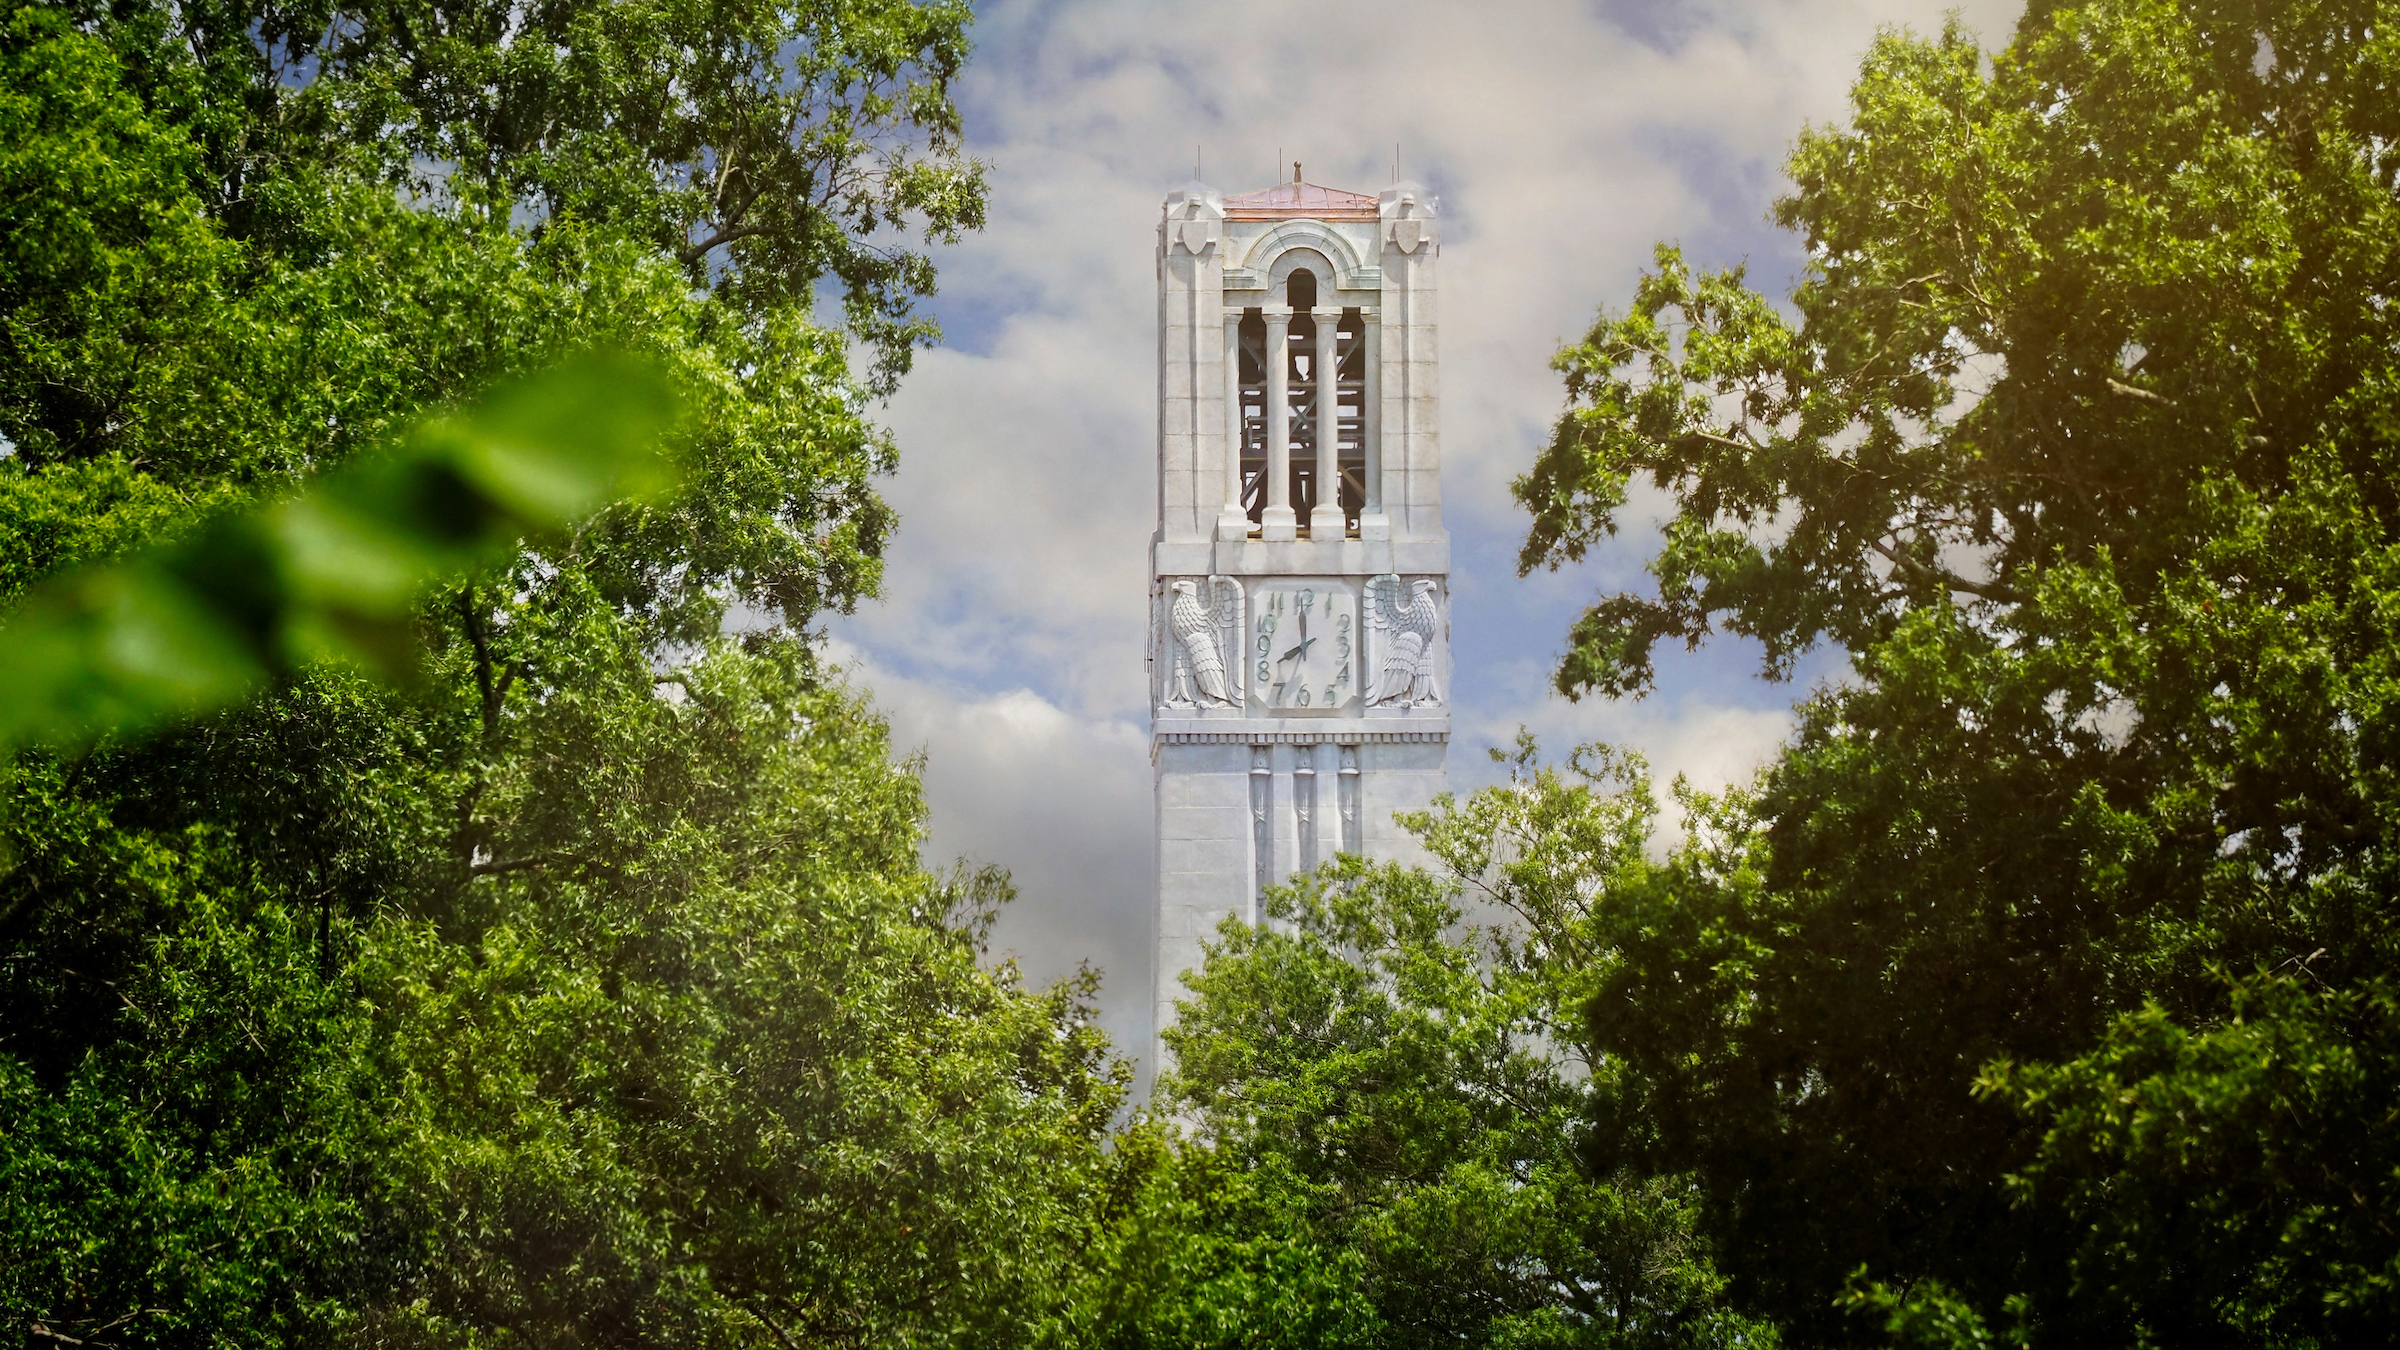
(1314, 665)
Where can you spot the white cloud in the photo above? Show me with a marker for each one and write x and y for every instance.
(1062, 801)
(1565, 138)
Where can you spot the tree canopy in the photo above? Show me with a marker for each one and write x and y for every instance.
(2043, 988)
(583, 986)
(1385, 1086)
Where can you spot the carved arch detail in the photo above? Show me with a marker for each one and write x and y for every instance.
(1301, 257)
(1266, 253)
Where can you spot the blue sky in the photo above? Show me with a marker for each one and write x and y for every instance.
(1564, 138)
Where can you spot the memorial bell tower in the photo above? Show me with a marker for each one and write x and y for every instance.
(1299, 598)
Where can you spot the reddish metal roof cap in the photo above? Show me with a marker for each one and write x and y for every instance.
(1286, 200)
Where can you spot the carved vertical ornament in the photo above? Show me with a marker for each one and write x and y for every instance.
(1347, 789)
(1262, 825)
(1304, 802)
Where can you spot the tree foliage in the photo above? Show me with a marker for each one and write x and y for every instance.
(583, 988)
(1399, 1092)
(2043, 989)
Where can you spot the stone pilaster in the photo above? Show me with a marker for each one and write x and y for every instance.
(1191, 361)
(1411, 394)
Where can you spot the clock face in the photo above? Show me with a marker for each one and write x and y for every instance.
(1303, 647)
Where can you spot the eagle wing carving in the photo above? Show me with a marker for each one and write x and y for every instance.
(1407, 673)
(1195, 632)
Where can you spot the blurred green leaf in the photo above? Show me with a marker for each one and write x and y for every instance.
(334, 572)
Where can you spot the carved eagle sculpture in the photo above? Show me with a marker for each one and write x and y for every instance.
(1195, 629)
(1408, 654)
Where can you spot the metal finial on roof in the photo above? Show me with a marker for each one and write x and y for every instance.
(1295, 171)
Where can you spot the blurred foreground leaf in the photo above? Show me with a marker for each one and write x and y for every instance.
(335, 571)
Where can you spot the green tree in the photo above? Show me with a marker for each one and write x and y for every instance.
(1390, 1088)
(1200, 1248)
(2044, 988)
(584, 989)
(696, 1048)
(701, 1056)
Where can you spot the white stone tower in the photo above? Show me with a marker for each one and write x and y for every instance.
(1299, 647)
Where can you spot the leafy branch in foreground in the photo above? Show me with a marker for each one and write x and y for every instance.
(337, 570)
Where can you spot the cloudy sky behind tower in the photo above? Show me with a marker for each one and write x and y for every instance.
(1564, 139)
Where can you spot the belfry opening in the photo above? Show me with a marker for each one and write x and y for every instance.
(1313, 339)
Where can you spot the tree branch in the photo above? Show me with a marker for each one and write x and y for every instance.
(692, 253)
(716, 199)
(491, 692)
(1988, 590)
(733, 228)
(493, 869)
(2155, 400)
(780, 1334)
(1745, 445)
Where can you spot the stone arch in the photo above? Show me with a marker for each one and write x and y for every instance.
(1268, 252)
(1302, 258)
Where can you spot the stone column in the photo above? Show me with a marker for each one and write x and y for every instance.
(1372, 522)
(1232, 521)
(1279, 522)
(1325, 522)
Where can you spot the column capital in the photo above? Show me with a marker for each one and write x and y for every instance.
(1274, 314)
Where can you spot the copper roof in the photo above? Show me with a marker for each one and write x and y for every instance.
(1286, 200)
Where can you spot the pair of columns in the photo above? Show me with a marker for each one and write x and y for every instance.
(1279, 521)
